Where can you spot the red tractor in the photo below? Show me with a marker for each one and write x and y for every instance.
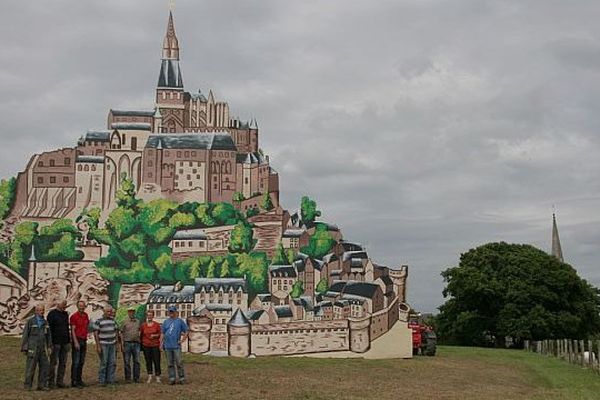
(423, 337)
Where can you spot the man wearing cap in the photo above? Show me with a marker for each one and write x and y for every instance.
(36, 339)
(130, 345)
(174, 332)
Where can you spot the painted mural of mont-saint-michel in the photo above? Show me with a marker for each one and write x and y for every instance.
(178, 204)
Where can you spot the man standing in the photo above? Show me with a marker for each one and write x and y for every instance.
(130, 337)
(79, 334)
(105, 333)
(174, 332)
(58, 321)
(36, 338)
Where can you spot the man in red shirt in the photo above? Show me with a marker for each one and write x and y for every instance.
(79, 322)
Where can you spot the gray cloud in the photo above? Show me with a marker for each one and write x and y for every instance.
(422, 128)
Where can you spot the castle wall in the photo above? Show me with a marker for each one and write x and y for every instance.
(299, 337)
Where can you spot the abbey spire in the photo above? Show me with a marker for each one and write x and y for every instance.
(170, 74)
(170, 42)
(556, 248)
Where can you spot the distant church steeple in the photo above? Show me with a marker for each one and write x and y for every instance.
(556, 249)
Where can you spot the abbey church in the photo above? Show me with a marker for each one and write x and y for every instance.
(186, 148)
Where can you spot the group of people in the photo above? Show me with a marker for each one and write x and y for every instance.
(47, 341)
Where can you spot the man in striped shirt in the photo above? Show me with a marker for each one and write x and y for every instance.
(105, 333)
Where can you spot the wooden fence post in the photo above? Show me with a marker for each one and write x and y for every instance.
(582, 347)
(590, 363)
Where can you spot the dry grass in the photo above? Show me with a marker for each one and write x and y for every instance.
(457, 373)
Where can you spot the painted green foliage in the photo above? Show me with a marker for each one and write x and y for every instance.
(253, 266)
(308, 211)
(242, 238)
(7, 196)
(55, 242)
(501, 289)
(138, 236)
(322, 286)
(320, 243)
(297, 289)
(266, 202)
(20, 247)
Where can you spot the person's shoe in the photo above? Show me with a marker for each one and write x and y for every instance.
(182, 381)
(158, 379)
(149, 379)
(136, 381)
(61, 385)
(172, 382)
(25, 387)
(127, 380)
(45, 388)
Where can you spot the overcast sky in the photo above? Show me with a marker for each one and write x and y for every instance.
(422, 128)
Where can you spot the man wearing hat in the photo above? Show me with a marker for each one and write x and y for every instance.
(130, 345)
(174, 332)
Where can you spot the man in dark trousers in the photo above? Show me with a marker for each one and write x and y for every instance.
(36, 339)
(58, 320)
(79, 334)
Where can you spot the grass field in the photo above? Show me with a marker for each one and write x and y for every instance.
(456, 373)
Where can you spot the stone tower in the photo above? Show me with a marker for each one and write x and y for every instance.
(199, 336)
(360, 340)
(556, 248)
(239, 329)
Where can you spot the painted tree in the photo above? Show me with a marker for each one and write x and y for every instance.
(242, 238)
(7, 196)
(279, 257)
(308, 211)
(297, 289)
(20, 247)
(320, 243)
(266, 202)
(503, 290)
(224, 273)
(322, 286)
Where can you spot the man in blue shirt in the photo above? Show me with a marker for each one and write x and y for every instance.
(174, 332)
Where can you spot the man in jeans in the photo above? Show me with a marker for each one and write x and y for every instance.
(58, 321)
(105, 333)
(79, 334)
(130, 338)
(174, 332)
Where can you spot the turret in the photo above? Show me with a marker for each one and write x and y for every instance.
(239, 330)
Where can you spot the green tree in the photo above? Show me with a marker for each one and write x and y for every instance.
(58, 241)
(242, 238)
(255, 267)
(297, 289)
(503, 290)
(280, 258)
(212, 269)
(322, 286)
(266, 202)
(238, 197)
(320, 243)
(20, 247)
(252, 211)
(308, 211)
(224, 273)
(7, 196)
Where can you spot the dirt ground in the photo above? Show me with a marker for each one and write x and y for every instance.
(454, 374)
